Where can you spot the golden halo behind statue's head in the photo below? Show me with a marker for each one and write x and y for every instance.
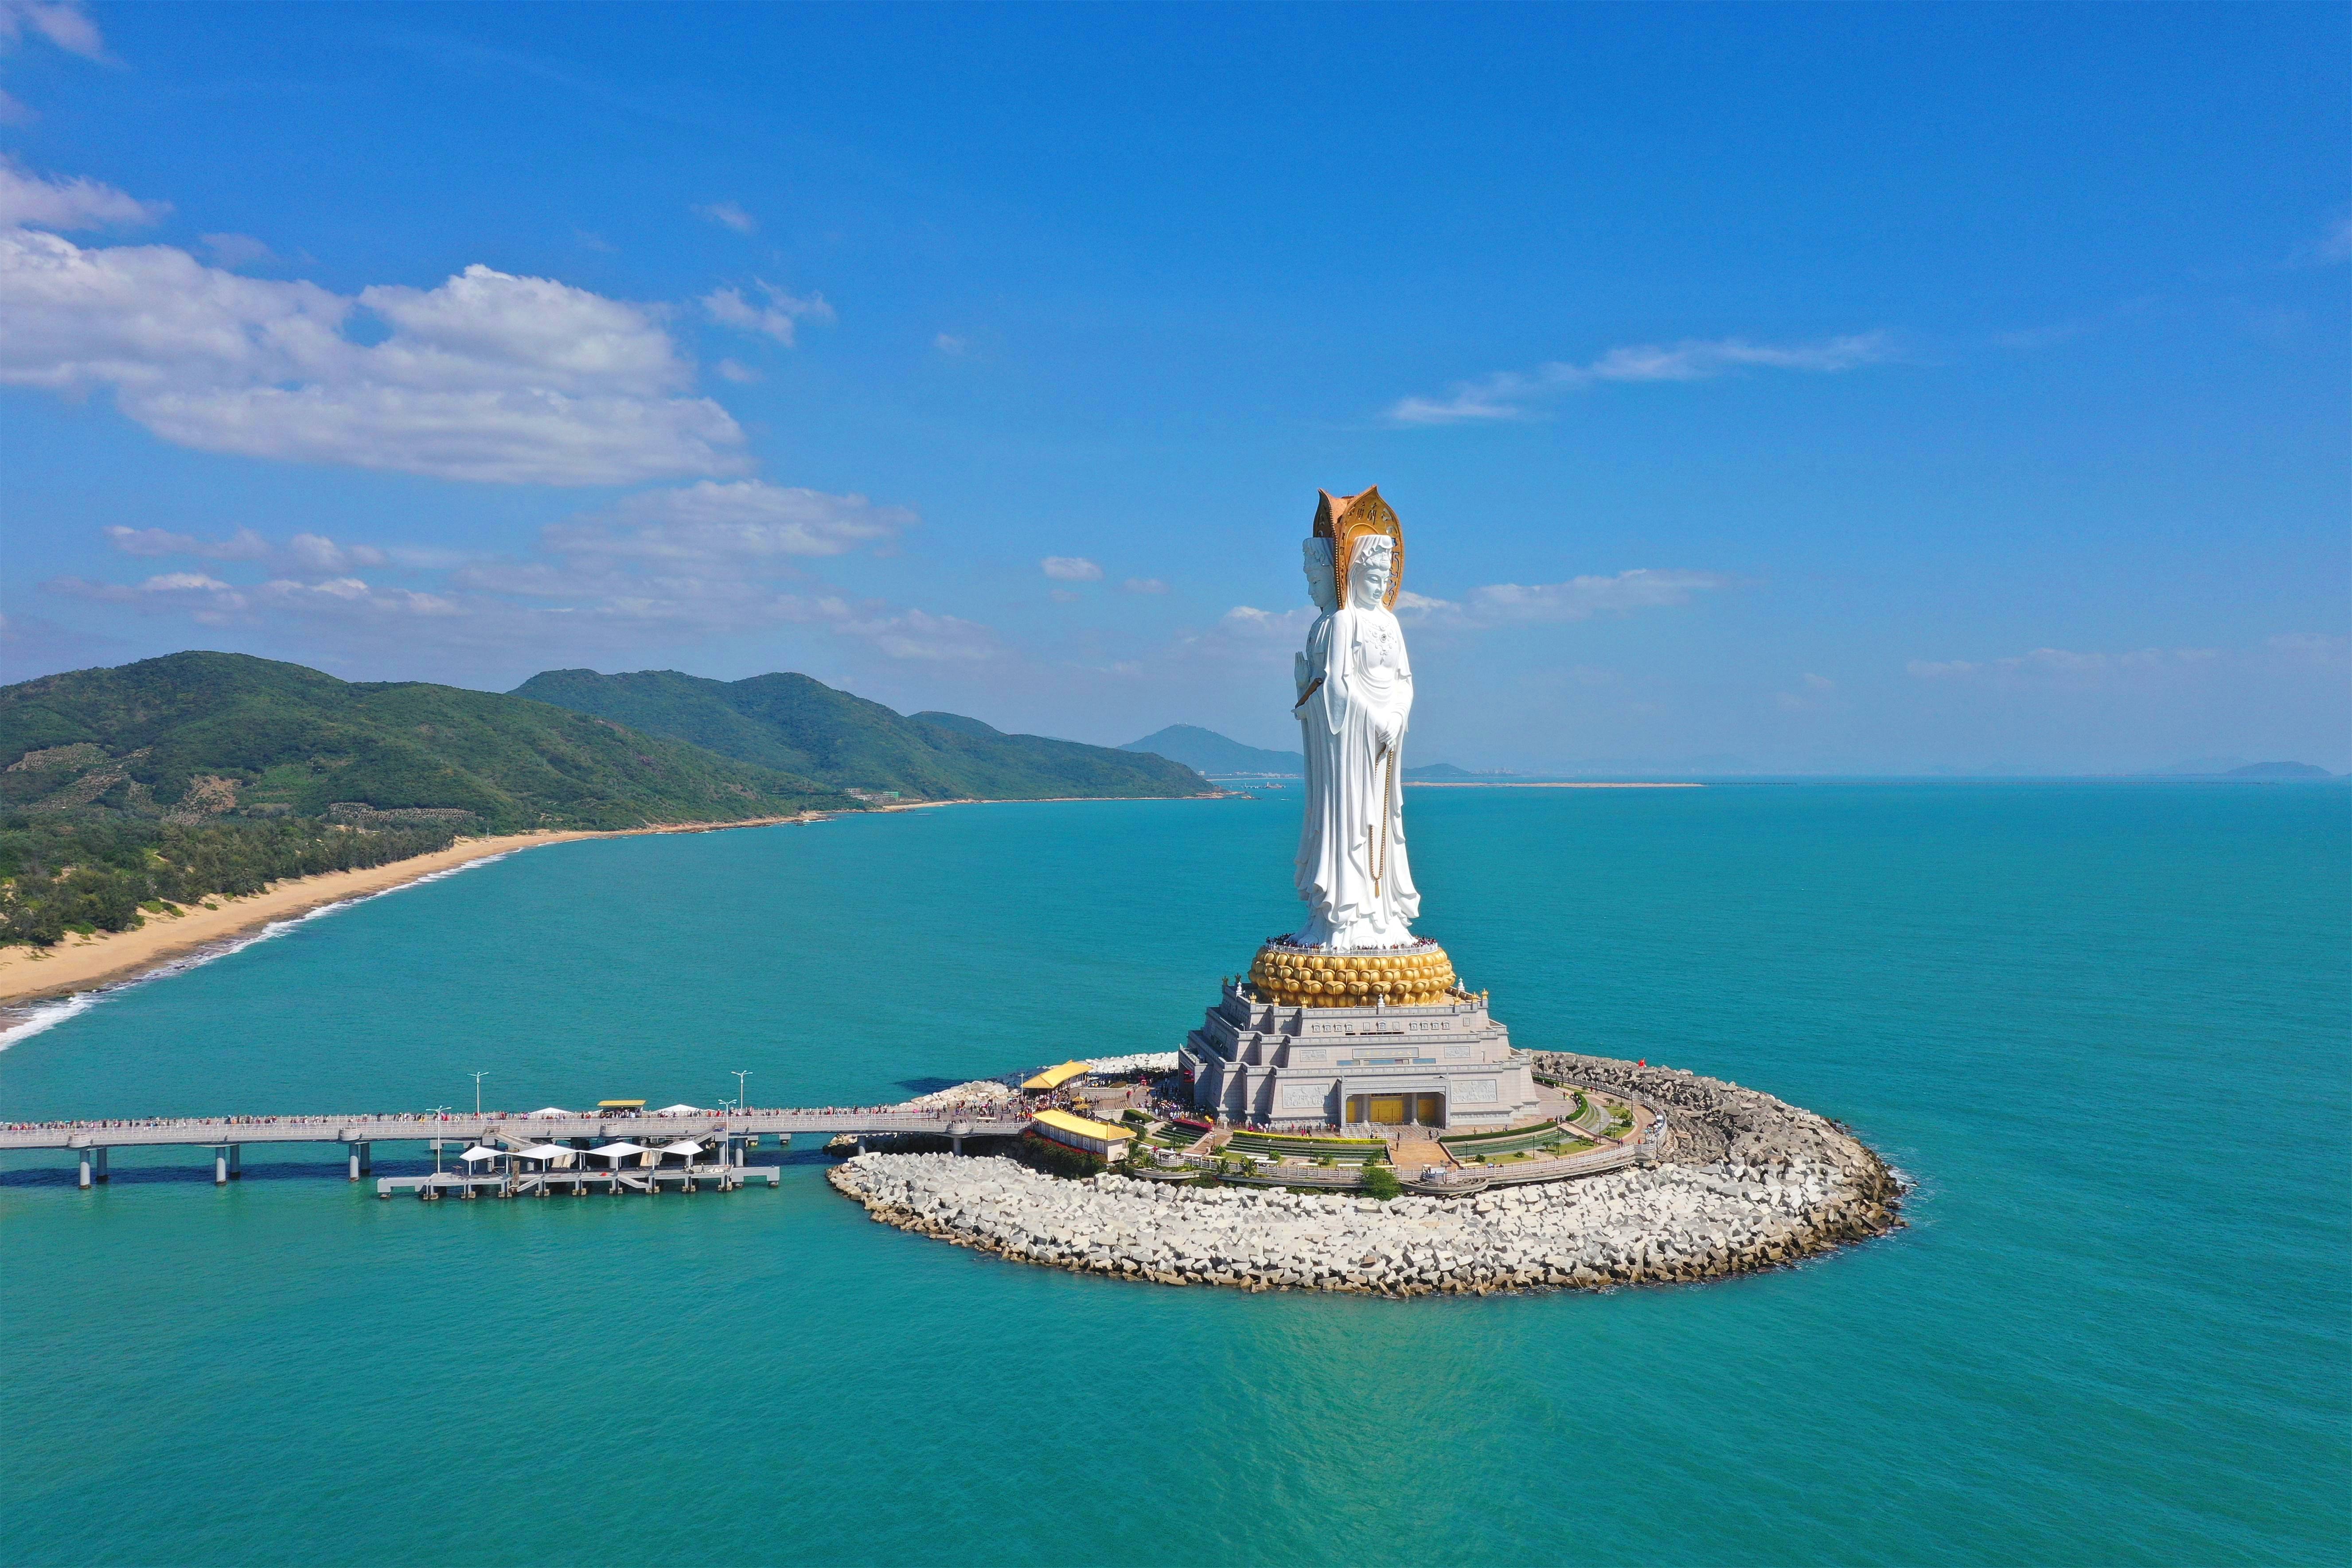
(1344, 520)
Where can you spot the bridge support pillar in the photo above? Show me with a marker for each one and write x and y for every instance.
(102, 1166)
(220, 1165)
(957, 1144)
(367, 1159)
(236, 1162)
(354, 1161)
(83, 1180)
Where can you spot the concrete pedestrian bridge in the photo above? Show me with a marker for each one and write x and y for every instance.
(228, 1135)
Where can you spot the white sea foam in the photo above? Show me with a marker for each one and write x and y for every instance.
(43, 1016)
(46, 1015)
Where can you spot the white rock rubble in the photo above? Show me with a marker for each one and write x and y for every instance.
(1668, 1222)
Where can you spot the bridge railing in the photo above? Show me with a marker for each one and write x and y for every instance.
(411, 1127)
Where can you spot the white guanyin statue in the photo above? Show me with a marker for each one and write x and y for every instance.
(1355, 697)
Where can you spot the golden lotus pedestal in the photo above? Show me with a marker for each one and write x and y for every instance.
(1415, 976)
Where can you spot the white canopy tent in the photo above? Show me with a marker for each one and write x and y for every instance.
(550, 1111)
(686, 1147)
(681, 1109)
(617, 1151)
(545, 1151)
(480, 1151)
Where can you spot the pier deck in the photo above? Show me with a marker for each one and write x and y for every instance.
(226, 1136)
(208, 1131)
(577, 1183)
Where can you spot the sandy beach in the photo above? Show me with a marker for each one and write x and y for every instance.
(86, 962)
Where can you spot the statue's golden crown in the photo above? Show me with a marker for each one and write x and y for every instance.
(1344, 520)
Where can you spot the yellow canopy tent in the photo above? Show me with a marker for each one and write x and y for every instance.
(1095, 1137)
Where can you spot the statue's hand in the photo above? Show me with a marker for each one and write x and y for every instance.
(1387, 731)
(1298, 671)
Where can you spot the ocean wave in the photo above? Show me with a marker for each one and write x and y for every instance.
(42, 1017)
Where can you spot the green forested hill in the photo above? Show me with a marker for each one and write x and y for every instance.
(803, 726)
(204, 773)
(199, 736)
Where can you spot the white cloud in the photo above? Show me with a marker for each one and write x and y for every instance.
(2058, 669)
(776, 319)
(321, 554)
(730, 215)
(749, 519)
(25, 198)
(178, 582)
(488, 377)
(1579, 598)
(304, 552)
(1144, 586)
(1514, 395)
(662, 566)
(1248, 637)
(1071, 569)
(948, 343)
(1817, 689)
(737, 371)
(62, 22)
(209, 601)
(2310, 648)
(898, 633)
(2328, 249)
(242, 545)
(1064, 596)
(1249, 621)
(235, 250)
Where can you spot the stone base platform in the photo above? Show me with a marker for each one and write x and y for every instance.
(1337, 1061)
(1751, 1183)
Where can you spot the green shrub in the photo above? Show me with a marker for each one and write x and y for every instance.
(1380, 1183)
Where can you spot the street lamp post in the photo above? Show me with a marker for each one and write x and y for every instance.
(477, 1089)
(741, 1098)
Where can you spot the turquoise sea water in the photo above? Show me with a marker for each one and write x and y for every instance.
(2106, 1028)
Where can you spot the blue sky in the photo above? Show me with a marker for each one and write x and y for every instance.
(1851, 389)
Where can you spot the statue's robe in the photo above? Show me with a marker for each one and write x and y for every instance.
(1352, 869)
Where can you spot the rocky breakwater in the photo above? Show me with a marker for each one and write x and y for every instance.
(1710, 1121)
(1703, 1212)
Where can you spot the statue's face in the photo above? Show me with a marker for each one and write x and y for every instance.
(1321, 584)
(1369, 586)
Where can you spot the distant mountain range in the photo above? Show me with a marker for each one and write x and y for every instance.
(796, 725)
(1208, 752)
(197, 737)
(2236, 768)
(220, 736)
